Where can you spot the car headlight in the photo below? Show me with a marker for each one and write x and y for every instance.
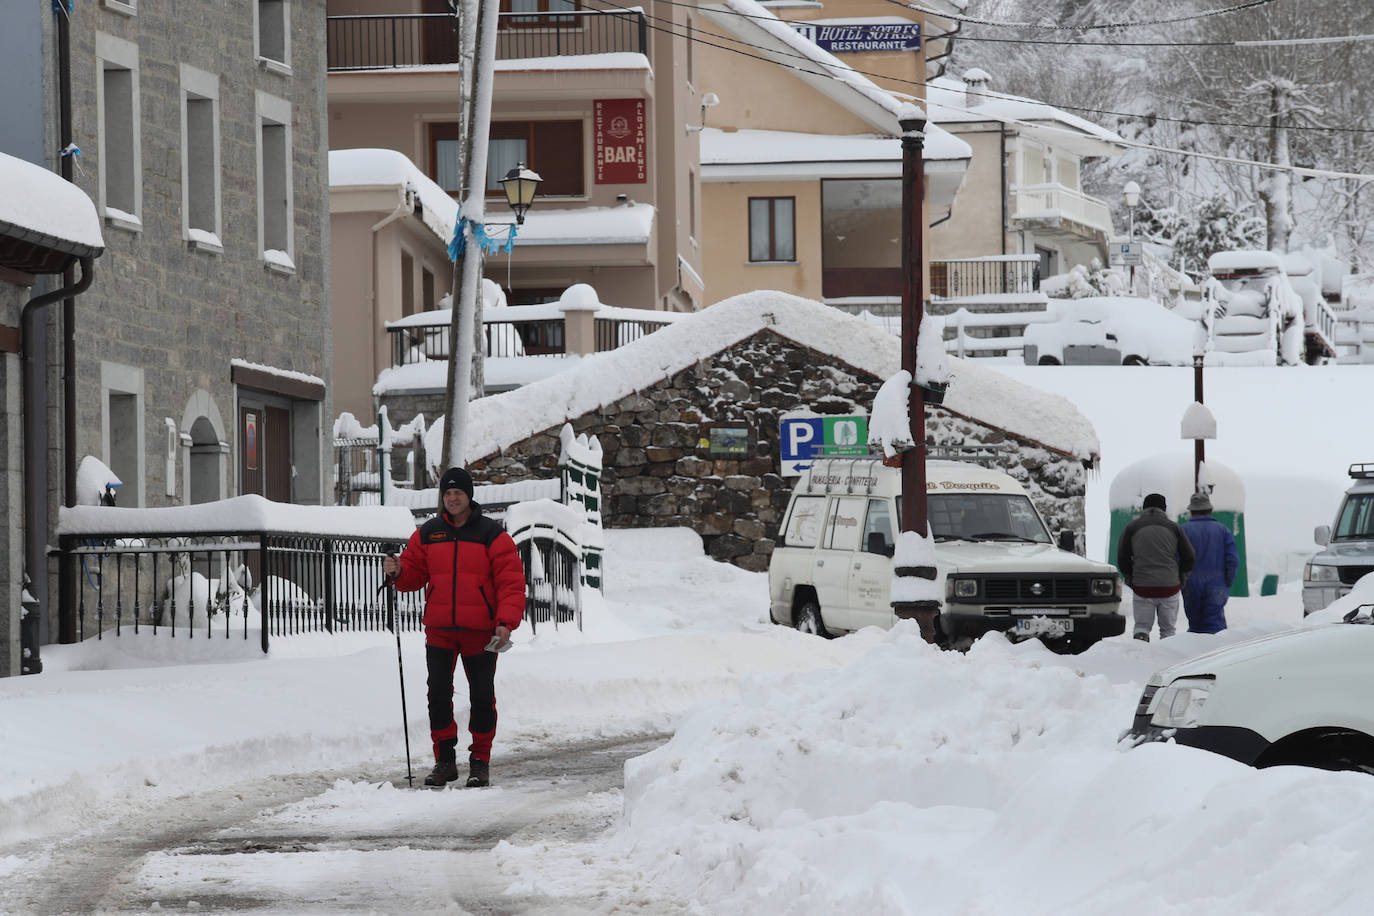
(1180, 704)
(1320, 572)
(1106, 588)
(961, 588)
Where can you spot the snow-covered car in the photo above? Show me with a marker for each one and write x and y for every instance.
(1299, 697)
(1348, 543)
(1250, 310)
(1110, 329)
(997, 567)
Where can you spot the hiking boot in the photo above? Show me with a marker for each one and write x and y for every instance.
(1143, 637)
(444, 772)
(478, 772)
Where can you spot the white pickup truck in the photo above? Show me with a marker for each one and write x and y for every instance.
(997, 566)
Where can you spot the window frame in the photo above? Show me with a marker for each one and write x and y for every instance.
(772, 230)
(120, 380)
(116, 54)
(527, 130)
(275, 112)
(542, 18)
(202, 87)
(281, 17)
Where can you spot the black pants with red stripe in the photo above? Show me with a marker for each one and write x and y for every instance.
(480, 669)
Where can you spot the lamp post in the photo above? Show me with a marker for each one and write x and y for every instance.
(520, 185)
(913, 507)
(1131, 195)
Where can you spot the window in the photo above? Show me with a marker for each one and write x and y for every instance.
(803, 528)
(407, 284)
(126, 7)
(842, 526)
(274, 33)
(551, 148)
(771, 229)
(275, 233)
(691, 204)
(879, 521)
(200, 180)
(122, 390)
(691, 44)
(119, 150)
(536, 7)
(861, 235)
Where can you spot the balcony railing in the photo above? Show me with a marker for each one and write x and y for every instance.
(991, 276)
(1055, 201)
(425, 337)
(421, 39)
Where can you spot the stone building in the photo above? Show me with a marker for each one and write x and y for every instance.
(201, 355)
(743, 364)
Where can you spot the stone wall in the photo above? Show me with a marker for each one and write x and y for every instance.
(657, 473)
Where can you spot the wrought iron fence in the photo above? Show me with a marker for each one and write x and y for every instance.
(414, 343)
(419, 39)
(223, 584)
(953, 279)
(617, 332)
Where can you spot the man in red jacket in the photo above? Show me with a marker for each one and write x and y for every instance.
(475, 597)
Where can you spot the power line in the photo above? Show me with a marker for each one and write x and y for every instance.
(1104, 26)
(1132, 116)
(1083, 43)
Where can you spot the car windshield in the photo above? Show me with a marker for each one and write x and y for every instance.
(985, 517)
(1356, 521)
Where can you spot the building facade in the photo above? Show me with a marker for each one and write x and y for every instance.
(201, 356)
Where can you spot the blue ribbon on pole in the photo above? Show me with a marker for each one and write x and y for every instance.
(490, 246)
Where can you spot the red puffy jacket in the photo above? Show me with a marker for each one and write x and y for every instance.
(474, 576)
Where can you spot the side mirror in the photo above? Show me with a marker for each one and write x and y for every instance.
(1322, 534)
(877, 543)
(1066, 540)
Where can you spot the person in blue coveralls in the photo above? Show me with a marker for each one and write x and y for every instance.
(1209, 585)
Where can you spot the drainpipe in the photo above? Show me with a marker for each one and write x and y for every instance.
(64, 130)
(33, 630)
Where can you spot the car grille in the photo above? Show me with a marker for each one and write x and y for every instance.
(1351, 574)
(1145, 698)
(1037, 589)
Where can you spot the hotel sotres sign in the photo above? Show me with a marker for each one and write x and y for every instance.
(863, 36)
(618, 132)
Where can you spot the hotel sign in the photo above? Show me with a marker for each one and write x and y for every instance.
(862, 36)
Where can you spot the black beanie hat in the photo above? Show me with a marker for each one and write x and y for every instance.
(1154, 501)
(455, 478)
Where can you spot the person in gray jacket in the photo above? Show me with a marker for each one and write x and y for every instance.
(1155, 557)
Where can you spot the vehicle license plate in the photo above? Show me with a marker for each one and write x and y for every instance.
(1049, 626)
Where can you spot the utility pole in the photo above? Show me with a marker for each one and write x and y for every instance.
(913, 506)
(477, 21)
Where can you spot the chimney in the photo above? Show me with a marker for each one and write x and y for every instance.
(975, 87)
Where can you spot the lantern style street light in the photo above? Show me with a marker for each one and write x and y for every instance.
(520, 185)
(1131, 195)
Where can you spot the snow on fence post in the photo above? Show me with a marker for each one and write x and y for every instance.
(546, 534)
(579, 465)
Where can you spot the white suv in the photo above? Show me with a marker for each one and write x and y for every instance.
(831, 571)
(1349, 543)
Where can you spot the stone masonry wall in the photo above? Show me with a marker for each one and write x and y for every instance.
(657, 475)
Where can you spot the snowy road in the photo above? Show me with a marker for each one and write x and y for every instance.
(323, 842)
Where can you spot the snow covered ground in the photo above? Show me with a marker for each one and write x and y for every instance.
(869, 773)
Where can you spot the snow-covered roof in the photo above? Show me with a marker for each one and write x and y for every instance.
(976, 392)
(947, 103)
(738, 147)
(773, 37)
(386, 168)
(631, 224)
(43, 209)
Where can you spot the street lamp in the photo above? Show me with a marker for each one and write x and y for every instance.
(1131, 195)
(520, 185)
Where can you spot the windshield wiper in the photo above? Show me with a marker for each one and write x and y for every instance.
(1001, 536)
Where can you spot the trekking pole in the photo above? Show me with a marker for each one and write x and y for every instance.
(390, 586)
